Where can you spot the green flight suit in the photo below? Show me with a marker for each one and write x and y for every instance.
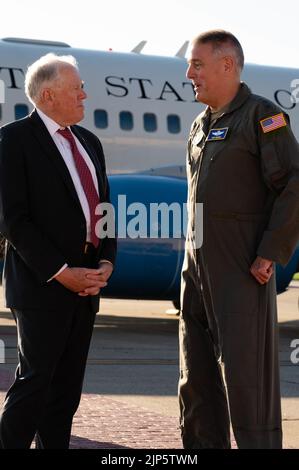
(248, 182)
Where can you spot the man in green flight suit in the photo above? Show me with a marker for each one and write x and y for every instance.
(243, 166)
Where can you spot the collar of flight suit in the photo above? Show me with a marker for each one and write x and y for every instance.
(242, 95)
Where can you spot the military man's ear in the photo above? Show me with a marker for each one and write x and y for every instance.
(228, 63)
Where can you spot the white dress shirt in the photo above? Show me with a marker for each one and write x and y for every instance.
(64, 148)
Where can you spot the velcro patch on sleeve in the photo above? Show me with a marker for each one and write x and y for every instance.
(273, 122)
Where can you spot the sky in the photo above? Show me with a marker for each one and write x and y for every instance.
(267, 30)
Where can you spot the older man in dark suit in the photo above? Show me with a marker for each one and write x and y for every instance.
(52, 179)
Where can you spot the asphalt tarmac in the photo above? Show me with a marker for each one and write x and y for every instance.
(130, 389)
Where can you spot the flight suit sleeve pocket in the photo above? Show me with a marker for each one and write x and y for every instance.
(273, 170)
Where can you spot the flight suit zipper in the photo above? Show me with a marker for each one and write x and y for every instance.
(199, 168)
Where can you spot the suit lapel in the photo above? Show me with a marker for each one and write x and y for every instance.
(52, 153)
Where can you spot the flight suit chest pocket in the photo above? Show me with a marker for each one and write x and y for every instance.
(196, 145)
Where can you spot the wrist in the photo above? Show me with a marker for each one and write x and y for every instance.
(63, 274)
(105, 261)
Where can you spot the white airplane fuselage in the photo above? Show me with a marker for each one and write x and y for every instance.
(141, 107)
(138, 84)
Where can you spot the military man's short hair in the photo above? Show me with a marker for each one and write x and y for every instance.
(219, 38)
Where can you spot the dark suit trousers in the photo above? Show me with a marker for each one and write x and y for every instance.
(53, 347)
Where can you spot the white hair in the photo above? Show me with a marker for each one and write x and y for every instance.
(43, 72)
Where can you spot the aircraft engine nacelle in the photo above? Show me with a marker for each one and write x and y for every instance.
(150, 268)
(285, 275)
(147, 268)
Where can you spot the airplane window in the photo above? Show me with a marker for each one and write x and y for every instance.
(101, 118)
(150, 122)
(173, 123)
(126, 120)
(21, 110)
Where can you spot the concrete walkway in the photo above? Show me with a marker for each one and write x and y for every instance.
(129, 399)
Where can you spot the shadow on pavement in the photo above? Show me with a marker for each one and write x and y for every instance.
(84, 443)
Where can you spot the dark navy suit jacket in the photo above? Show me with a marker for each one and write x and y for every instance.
(41, 216)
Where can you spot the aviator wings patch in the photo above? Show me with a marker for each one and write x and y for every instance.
(217, 134)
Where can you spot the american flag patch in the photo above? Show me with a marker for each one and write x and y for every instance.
(273, 122)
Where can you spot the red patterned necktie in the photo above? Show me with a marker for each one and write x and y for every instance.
(87, 183)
